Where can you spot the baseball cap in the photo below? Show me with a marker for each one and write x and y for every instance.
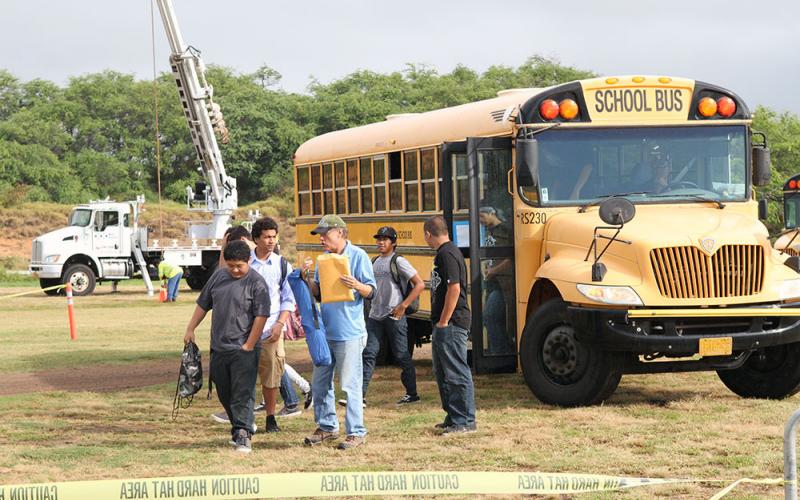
(329, 222)
(386, 232)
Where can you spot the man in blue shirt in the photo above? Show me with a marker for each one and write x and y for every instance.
(346, 334)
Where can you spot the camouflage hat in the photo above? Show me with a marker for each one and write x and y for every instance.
(329, 222)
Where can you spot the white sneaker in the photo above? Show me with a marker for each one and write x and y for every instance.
(289, 412)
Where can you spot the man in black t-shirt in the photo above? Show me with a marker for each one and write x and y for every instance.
(451, 322)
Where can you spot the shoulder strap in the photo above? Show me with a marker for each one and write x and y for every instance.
(284, 271)
(394, 269)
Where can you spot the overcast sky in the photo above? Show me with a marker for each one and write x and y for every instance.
(749, 47)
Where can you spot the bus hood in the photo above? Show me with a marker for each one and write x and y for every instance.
(658, 226)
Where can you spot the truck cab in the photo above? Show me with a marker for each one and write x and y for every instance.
(95, 246)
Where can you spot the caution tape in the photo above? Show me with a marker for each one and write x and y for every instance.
(319, 484)
(38, 290)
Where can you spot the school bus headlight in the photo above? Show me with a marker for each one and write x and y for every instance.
(548, 109)
(568, 109)
(790, 289)
(616, 295)
(707, 107)
(726, 107)
(50, 259)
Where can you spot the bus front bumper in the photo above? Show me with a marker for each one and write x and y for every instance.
(686, 331)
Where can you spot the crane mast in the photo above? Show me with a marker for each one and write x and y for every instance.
(219, 195)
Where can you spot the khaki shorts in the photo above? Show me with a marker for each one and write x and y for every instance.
(270, 364)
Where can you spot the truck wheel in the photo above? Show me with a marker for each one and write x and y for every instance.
(560, 370)
(81, 278)
(48, 282)
(772, 373)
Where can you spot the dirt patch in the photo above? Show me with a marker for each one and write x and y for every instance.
(103, 378)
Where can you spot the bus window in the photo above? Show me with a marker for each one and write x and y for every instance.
(460, 186)
(327, 187)
(379, 177)
(411, 170)
(303, 191)
(352, 186)
(340, 189)
(366, 185)
(316, 189)
(428, 179)
(395, 182)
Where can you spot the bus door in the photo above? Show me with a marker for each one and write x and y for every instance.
(479, 211)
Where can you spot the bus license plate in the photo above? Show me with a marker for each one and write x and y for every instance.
(716, 346)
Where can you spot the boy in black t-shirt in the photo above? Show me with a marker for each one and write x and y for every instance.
(241, 305)
(451, 322)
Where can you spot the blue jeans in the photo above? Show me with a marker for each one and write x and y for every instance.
(288, 394)
(453, 375)
(397, 331)
(346, 356)
(172, 286)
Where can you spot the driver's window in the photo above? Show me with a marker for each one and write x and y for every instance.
(102, 220)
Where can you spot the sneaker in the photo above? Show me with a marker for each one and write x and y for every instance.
(443, 425)
(343, 403)
(243, 443)
(319, 437)
(272, 424)
(260, 406)
(351, 442)
(309, 399)
(460, 429)
(220, 417)
(287, 411)
(407, 400)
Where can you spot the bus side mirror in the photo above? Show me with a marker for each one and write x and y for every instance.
(527, 162)
(763, 211)
(762, 171)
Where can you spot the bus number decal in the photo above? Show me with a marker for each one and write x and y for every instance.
(533, 217)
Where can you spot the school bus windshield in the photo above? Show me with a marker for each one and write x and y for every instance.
(653, 164)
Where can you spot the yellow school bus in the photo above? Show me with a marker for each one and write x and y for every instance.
(789, 242)
(610, 227)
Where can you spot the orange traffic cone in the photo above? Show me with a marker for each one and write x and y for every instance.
(162, 295)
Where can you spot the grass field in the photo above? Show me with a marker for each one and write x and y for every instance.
(670, 426)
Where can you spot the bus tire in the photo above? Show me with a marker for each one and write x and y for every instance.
(48, 282)
(82, 279)
(560, 370)
(769, 373)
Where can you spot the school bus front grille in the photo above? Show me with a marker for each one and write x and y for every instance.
(688, 273)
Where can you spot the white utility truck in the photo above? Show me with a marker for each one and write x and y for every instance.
(104, 242)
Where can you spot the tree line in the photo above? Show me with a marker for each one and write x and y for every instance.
(95, 136)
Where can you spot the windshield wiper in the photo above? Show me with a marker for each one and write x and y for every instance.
(597, 200)
(696, 196)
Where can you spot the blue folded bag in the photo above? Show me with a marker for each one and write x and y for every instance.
(311, 319)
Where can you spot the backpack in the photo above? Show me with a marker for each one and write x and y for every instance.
(311, 319)
(405, 288)
(190, 378)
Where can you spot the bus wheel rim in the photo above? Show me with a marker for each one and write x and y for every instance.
(560, 352)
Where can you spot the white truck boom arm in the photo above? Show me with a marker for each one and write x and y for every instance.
(204, 117)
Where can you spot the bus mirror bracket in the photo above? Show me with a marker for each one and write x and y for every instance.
(763, 209)
(762, 168)
(616, 212)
